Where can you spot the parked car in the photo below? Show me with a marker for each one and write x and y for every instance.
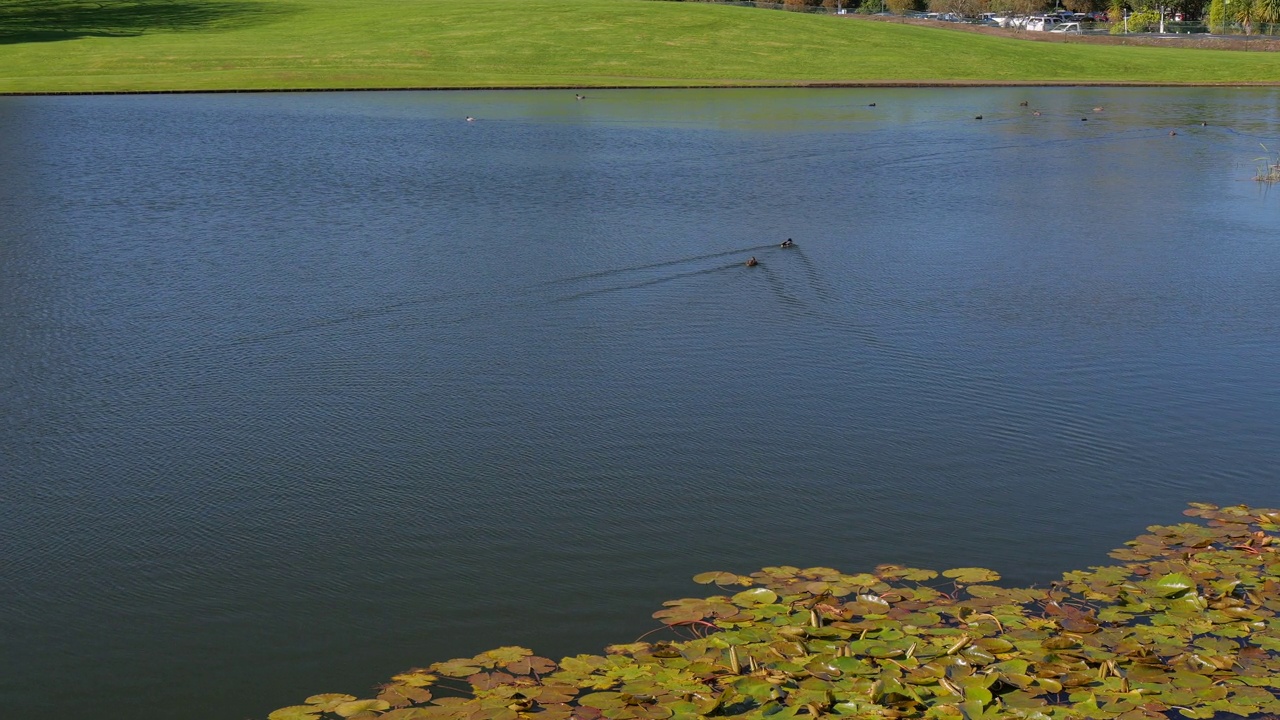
(1041, 23)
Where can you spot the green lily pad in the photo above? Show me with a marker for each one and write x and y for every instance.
(602, 700)
(971, 575)
(897, 572)
(1173, 585)
(457, 668)
(413, 678)
(716, 578)
(419, 713)
(328, 701)
(755, 596)
(355, 707)
(505, 655)
(295, 712)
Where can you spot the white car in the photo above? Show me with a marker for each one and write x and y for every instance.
(1040, 23)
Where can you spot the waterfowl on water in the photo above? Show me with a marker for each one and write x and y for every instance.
(1084, 119)
(787, 243)
(1022, 104)
(871, 105)
(1036, 113)
(1098, 109)
(1172, 133)
(579, 96)
(752, 262)
(1204, 124)
(977, 117)
(470, 119)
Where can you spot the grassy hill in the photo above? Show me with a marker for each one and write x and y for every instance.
(63, 45)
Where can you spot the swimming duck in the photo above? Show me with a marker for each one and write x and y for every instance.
(470, 119)
(787, 243)
(579, 96)
(977, 117)
(1098, 109)
(752, 262)
(1022, 104)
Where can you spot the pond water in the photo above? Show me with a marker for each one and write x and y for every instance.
(300, 391)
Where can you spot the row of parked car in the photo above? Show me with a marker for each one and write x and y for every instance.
(1046, 22)
(1051, 22)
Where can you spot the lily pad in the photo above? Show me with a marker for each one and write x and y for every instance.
(355, 707)
(716, 578)
(971, 575)
(755, 596)
(295, 712)
(1187, 621)
(1173, 585)
(328, 701)
(413, 678)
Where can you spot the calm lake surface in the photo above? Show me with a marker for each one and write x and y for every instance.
(299, 391)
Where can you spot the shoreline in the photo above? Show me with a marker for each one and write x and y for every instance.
(721, 86)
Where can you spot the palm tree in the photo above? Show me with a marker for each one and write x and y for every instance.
(1267, 11)
(1244, 12)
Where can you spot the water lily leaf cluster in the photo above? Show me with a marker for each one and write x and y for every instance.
(1183, 626)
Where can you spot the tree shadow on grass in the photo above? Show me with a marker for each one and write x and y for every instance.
(23, 21)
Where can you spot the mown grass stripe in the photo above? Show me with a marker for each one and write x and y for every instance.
(202, 45)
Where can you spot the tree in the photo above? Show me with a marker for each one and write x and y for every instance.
(1085, 6)
(963, 8)
(900, 7)
(1268, 11)
(1115, 13)
(1217, 16)
(1017, 7)
(1244, 12)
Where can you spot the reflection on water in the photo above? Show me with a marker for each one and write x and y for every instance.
(301, 391)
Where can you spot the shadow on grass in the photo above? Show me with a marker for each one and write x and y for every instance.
(23, 21)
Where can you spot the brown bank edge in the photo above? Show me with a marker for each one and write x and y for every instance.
(800, 84)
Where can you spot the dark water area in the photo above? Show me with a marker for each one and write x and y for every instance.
(299, 391)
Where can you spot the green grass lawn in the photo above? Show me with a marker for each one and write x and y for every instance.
(61, 45)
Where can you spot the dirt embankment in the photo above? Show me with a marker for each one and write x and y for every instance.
(1207, 42)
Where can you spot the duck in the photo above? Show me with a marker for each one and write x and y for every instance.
(871, 105)
(1173, 133)
(1084, 119)
(1098, 109)
(1022, 104)
(977, 117)
(787, 243)
(1036, 113)
(752, 262)
(470, 119)
(1204, 124)
(579, 96)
